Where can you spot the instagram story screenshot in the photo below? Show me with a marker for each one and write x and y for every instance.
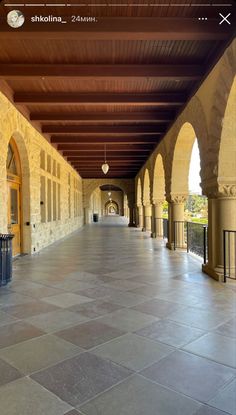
(118, 207)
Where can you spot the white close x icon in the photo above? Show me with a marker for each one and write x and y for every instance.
(224, 18)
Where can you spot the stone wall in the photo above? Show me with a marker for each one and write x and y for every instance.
(69, 216)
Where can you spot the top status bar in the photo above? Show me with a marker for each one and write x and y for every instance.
(118, 5)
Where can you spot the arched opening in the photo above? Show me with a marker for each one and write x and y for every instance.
(225, 205)
(146, 188)
(160, 206)
(139, 192)
(108, 199)
(111, 208)
(227, 153)
(147, 217)
(188, 207)
(14, 184)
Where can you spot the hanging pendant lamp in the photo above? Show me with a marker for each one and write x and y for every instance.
(105, 165)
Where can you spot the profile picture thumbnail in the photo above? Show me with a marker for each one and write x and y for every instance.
(15, 18)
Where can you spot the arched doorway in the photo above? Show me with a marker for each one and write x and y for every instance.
(14, 196)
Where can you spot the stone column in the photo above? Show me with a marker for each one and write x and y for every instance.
(221, 216)
(140, 216)
(87, 215)
(147, 218)
(157, 222)
(176, 214)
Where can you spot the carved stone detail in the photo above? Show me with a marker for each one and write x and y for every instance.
(227, 190)
(177, 198)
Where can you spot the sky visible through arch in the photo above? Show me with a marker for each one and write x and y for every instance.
(194, 171)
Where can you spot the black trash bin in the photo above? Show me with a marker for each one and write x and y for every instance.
(5, 258)
(95, 217)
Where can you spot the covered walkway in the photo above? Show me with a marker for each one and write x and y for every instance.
(112, 323)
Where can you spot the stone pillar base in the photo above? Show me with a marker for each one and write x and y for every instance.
(215, 273)
(170, 245)
(153, 235)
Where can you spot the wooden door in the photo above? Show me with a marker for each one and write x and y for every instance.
(14, 216)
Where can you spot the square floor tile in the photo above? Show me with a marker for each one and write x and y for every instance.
(126, 299)
(8, 373)
(158, 308)
(23, 311)
(81, 378)
(26, 397)
(89, 334)
(73, 412)
(189, 374)
(17, 332)
(226, 399)
(208, 410)
(202, 319)
(6, 319)
(123, 285)
(66, 300)
(133, 351)
(169, 332)
(33, 355)
(95, 308)
(35, 290)
(97, 292)
(215, 347)
(139, 396)
(56, 320)
(227, 329)
(148, 290)
(127, 319)
(14, 299)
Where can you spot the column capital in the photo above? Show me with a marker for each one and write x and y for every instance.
(177, 198)
(147, 203)
(222, 190)
(158, 201)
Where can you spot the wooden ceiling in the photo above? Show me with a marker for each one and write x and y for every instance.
(119, 81)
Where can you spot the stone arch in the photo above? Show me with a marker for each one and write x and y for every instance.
(25, 189)
(220, 115)
(181, 159)
(227, 150)
(192, 119)
(146, 188)
(158, 191)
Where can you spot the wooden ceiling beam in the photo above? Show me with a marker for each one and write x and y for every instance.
(149, 139)
(98, 147)
(153, 117)
(121, 28)
(106, 129)
(117, 153)
(100, 158)
(16, 71)
(159, 99)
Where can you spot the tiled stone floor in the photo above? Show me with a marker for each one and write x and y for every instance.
(110, 322)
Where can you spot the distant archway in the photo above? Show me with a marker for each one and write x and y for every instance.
(112, 208)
